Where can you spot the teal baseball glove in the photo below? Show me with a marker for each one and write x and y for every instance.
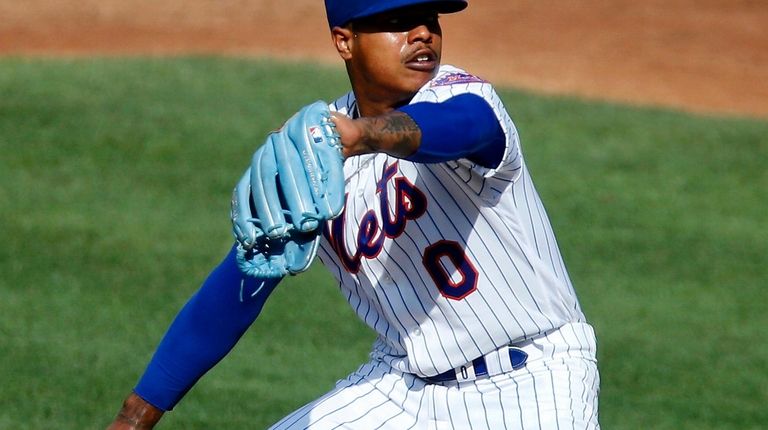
(294, 184)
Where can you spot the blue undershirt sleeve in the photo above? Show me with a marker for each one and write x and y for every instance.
(463, 126)
(203, 332)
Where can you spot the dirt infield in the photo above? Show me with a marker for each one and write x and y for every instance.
(703, 55)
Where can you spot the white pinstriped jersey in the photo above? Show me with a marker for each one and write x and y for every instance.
(447, 261)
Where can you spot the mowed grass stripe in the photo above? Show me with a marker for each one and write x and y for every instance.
(115, 179)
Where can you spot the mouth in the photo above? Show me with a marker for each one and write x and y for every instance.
(424, 60)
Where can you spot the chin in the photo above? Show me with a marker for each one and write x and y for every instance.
(419, 78)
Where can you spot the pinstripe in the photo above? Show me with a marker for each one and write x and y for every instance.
(302, 413)
(344, 407)
(536, 396)
(543, 240)
(373, 388)
(440, 235)
(367, 404)
(480, 215)
(523, 293)
(388, 394)
(554, 254)
(457, 230)
(520, 408)
(554, 395)
(530, 214)
(294, 418)
(430, 320)
(584, 394)
(407, 339)
(431, 400)
(362, 417)
(542, 222)
(513, 262)
(325, 258)
(418, 412)
(402, 404)
(372, 408)
(405, 279)
(340, 407)
(570, 405)
(448, 409)
(387, 299)
(507, 282)
(525, 284)
(482, 297)
(485, 411)
(416, 269)
(595, 389)
(570, 287)
(408, 309)
(466, 411)
(419, 273)
(505, 410)
(576, 338)
(369, 307)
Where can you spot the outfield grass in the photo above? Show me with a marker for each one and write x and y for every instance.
(115, 177)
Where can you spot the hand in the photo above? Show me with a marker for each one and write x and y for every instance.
(136, 414)
(394, 133)
(294, 185)
(351, 133)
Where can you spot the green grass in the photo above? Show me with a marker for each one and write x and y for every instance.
(115, 177)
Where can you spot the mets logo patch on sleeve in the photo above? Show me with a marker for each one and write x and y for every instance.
(456, 78)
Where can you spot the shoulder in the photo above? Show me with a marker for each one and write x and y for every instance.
(450, 75)
(451, 81)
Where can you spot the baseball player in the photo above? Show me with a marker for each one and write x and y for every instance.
(443, 248)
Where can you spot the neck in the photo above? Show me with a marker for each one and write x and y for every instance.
(375, 101)
(368, 106)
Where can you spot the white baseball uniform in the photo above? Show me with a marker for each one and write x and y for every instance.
(448, 262)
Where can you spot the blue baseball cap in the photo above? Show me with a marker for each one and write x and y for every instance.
(341, 12)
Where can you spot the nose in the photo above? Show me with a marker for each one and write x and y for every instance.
(420, 33)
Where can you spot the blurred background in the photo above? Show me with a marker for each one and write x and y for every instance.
(125, 124)
(707, 55)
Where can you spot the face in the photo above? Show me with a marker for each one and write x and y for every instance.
(392, 55)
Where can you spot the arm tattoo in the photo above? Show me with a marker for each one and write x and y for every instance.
(394, 133)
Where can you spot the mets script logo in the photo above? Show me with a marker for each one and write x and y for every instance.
(408, 202)
(450, 268)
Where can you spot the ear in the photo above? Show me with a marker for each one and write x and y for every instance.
(343, 39)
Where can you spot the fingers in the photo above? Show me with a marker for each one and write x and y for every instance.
(264, 189)
(331, 202)
(294, 184)
(350, 132)
(242, 224)
(295, 157)
(321, 163)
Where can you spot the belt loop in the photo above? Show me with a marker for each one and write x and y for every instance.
(506, 360)
(495, 361)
